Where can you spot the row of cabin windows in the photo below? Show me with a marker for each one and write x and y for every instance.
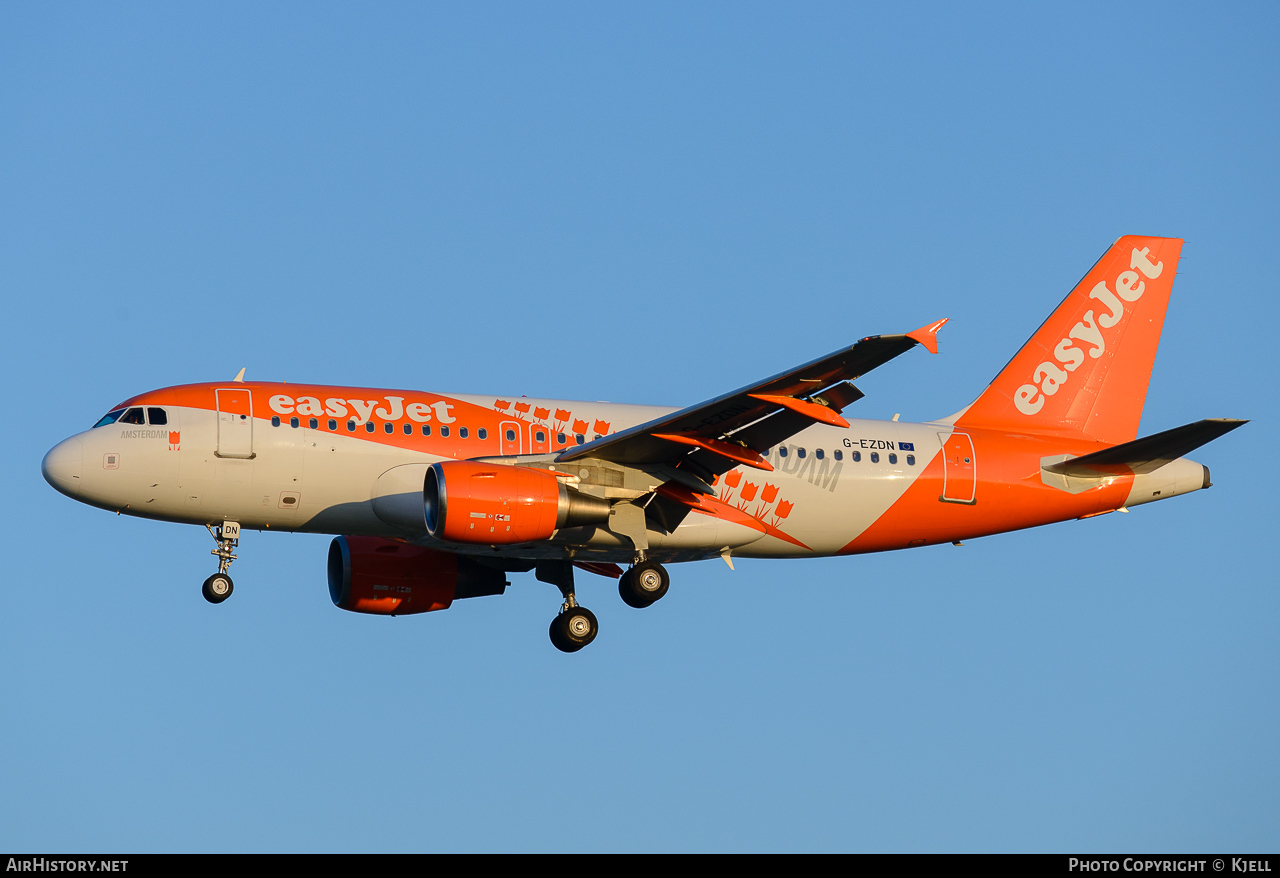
(387, 427)
(838, 454)
(540, 436)
(156, 417)
(463, 432)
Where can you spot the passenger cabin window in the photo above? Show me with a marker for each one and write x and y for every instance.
(109, 418)
(782, 451)
(333, 425)
(369, 427)
(426, 429)
(893, 458)
(293, 422)
(839, 454)
(875, 457)
(800, 453)
(133, 416)
(275, 420)
(579, 438)
(818, 453)
(408, 429)
(857, 456)
(911, 460)
(444, 431)
(351, 426)
(157, 417)
(561, 439)
(388, 427)
(462, 432)
(314, 424)
(482, 433)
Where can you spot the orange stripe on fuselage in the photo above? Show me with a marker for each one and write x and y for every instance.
(1010, 495)
(373, 400)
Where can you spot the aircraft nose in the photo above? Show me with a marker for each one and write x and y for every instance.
(62, 465)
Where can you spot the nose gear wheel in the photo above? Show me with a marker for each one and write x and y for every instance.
(217, 588)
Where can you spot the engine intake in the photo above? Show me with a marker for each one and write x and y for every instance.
(469, 502)
(389, 578)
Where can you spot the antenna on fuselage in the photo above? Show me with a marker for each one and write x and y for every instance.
(239, 376)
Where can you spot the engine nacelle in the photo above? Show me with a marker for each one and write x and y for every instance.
(388, 578)
(468, 502)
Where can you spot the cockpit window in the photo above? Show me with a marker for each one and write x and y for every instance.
(110, 418)
(133, 416)
(157, 417)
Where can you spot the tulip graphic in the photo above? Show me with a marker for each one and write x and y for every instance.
(522, 407)
(562, 416)
(767, 496)
(175, 439)
(733, 477)
(784, 509)
(541, 414)
(748, 494)
(602, 427)
(579, 426)
(501, 404)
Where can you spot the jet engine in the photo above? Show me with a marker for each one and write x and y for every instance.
(469, 502)
(389, 578)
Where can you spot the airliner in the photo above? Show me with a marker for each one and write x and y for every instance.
(434, 498)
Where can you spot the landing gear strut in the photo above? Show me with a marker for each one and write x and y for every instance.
(644, 584)
(576, 626)
(218, 587)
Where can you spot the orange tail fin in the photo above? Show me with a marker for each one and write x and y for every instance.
(1086, 369)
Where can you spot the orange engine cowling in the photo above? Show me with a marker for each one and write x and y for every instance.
(389, 578)
(469, 502)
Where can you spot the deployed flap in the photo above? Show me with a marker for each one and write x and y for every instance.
(756, 407)
(1148, 453)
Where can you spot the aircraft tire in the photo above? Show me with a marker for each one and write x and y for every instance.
(644, 584)
(574, 629)
(217, 588)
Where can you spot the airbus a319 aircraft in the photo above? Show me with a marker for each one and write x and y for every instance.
(436, 497)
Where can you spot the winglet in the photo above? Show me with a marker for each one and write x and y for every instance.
(239, 376)
(928, 335)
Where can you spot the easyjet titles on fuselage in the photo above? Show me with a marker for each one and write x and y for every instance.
(389, 408)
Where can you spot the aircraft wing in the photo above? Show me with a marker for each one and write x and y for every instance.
(715, 436)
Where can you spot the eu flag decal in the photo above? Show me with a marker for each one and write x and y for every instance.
(906, 446)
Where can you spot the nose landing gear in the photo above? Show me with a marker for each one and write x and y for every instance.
(218, 587)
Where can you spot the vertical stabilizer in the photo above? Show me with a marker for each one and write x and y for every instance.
(1086, 369)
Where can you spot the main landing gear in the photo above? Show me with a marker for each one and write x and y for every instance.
(218, 587)
(576, 626)
(644, 584)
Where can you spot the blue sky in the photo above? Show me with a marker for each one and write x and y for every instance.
(649, 204)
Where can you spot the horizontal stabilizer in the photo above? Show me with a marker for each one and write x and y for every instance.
(1148, 453)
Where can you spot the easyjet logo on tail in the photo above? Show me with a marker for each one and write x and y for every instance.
(1048, 378)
